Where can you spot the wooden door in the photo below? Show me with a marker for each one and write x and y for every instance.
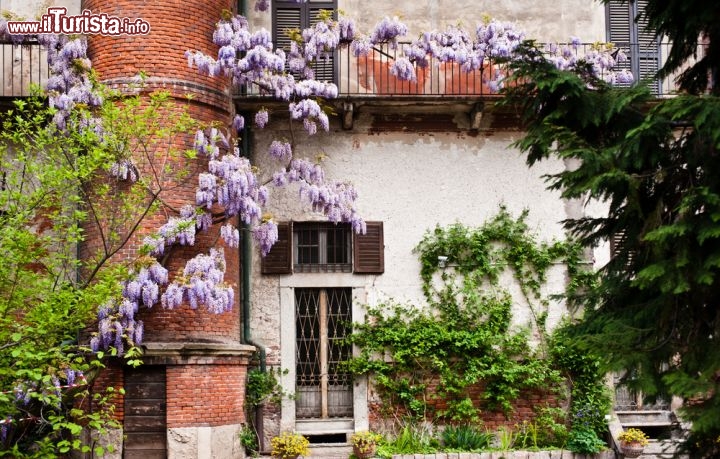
(145, 413)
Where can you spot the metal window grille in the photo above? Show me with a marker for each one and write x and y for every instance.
(322, 247)
(323, 319)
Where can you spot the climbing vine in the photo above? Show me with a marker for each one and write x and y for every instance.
(423, 357)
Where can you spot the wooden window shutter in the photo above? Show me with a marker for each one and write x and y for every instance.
(294, 15)
(648, 50)
(369, 250)
(641, 47)
(324, 67)
(279, 259)
(286, 16)
(618, 243)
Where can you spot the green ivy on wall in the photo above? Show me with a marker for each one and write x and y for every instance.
(421, 357)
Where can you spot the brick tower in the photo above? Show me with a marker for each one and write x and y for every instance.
(187, 399)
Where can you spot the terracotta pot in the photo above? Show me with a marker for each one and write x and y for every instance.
(633, 449)
(365, 453)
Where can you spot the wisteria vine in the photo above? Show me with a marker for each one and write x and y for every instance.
(230, 182)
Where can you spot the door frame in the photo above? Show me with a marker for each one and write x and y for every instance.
(288, 421)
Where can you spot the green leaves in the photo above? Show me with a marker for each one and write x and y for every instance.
(655, 164)
(464, 337)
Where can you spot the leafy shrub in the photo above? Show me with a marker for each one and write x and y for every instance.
(248, 438)
(463, 335)
(591, 399)
(584, 441)
(551, 428)
(466, 437)
(413, 438)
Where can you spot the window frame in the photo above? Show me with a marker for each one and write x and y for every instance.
(323, 229)
(368, 251)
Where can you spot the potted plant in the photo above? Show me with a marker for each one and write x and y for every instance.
(365, 443)
(632, 442)
(289, 445)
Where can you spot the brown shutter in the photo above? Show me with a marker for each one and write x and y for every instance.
(369, 250)
(279, 259)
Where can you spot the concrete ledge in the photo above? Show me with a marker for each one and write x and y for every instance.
(195, 348)
(197, 353)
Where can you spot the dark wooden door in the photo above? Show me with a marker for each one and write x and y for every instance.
(145, 413)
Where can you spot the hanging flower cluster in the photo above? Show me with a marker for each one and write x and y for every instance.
(603, 59)
(69, 83)
(117, 323)
(203, 283)
(491, 40)
(249, 59)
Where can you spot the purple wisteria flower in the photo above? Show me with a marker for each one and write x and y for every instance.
(231, 235)
(281, 151)
(238, 123)
(403, 69)
(202, 285)
(124, 169)
(601, 58)
(261, 118)
(388, 30)
(266, 235)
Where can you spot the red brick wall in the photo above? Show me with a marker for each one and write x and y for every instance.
(525, 408)
(203, 390)
(175, 27)
(111, 376)
(205, 395)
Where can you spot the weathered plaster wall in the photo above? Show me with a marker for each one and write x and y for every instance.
(542, 20)
(411, 178)
(412, 181)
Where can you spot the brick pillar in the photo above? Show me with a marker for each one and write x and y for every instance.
(206, 363)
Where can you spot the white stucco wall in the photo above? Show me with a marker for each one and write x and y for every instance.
(412, 182)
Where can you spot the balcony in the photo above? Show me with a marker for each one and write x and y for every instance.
(368, 77)
(22, 66)
(364, 77)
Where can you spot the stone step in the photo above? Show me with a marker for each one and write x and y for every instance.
(649, 418)
(326, 451)
(661, 449)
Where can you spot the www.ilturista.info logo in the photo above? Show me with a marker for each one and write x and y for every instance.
(57, 21)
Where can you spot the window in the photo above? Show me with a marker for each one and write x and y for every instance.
(322, 247)
(641, 47)
(316, 247)
(293, 15)
(323, 318)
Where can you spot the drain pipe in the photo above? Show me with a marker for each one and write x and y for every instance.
(246, 267)
(246, 257)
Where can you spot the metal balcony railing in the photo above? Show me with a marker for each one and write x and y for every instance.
(363, 76)
(22, 65)
(371, 76)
